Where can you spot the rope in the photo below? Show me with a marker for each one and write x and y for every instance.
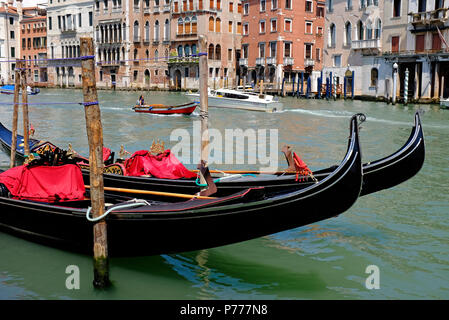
(86, 104)
(40, 103)
(135, 203)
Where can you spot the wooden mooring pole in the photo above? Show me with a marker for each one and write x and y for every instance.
(15, 114)
(26, 122)
(204, 114)
(95, 138)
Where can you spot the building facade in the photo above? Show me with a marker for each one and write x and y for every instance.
(33, 40)
(423, 52)
(67, 22)
(353, 47)
(9, 41)
(282, 39)
(150, 43)
(221, 22)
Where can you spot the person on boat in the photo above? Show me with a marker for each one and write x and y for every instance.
(141, 101)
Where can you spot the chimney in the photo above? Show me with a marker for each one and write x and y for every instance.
(19, 10)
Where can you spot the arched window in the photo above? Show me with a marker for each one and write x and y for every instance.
(348, 33)
(156, 31)
(374, 77)
(218, 25)
(147, 31)
(369, 30)
(124, 31)
(180, 26)
(167, 30)
(211, 4)
(332, 36)
(187, 25)
(211, 24)
(218, 52)
(187, 50)
(378, 29)
(135, 54)
(136, 31)
(156, 55)
(360, 30)
(147, 54)
(194, 49)
(179, 51)
(194, 25)
(210, 54)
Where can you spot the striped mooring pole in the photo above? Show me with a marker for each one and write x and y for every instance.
(406, 86)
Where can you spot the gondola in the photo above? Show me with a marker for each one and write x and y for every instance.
(377, 175)
(162, 228)
(186, 109)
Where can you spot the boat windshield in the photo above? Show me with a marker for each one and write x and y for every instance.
(232, 95)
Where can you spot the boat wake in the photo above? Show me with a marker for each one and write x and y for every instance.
(348, 114)
(323, 113)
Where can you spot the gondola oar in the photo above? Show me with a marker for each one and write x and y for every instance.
(156, 193)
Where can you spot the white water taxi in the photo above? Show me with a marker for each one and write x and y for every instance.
(235, 99)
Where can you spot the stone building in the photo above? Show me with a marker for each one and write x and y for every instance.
(67, 22)
(33, 40)
(9, 41)
(420, 47)
(221, 22)
(132, 40)
(282, 39)
(353, 47)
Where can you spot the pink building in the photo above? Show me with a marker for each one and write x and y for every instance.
(220, 21)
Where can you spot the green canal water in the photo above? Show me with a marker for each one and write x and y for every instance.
(404, 230)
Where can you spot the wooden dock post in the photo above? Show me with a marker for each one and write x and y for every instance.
(261, 86)
(95, 138)
(204, 104)
(26, 122)
(15, 114)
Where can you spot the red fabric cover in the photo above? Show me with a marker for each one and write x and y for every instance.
(106, 153)
(164, 165)
(301, 167)
(45, 183)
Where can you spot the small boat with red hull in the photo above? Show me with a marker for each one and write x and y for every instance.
(187, 108)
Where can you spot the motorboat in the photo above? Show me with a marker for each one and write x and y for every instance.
(9, 89)
(236, 99)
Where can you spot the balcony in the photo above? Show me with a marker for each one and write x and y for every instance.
(70, 29)
(146, 10)
(116, 9)
(166, 8)
(428, 18)
(260, 61)
(288, 61)
(112, 63)
(183, 60)
(156, 9)
(136, 9)
(136, 39)
(309, 62)
(146, 40)
(366, 45)
(243, 62)
(271, 61)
